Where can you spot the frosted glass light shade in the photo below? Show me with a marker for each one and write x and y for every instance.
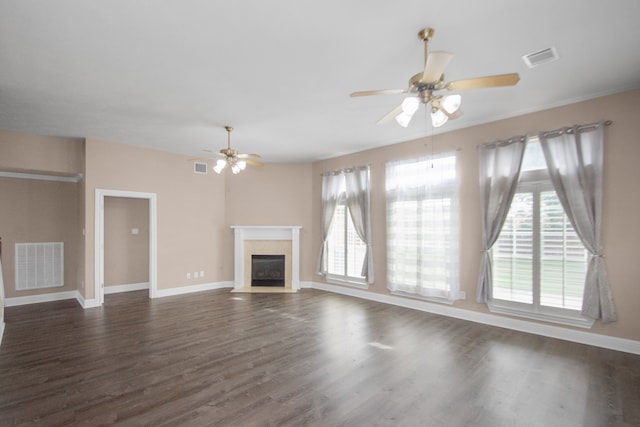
(403, 119)
(451, 103)
(410, 105)
(220, 164)
(438, 118)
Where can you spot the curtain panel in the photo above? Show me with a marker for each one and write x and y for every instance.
(499, 169)
(574, 159)
(359, 203)
(330, 194)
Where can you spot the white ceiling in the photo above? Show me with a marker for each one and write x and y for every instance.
(171, 74)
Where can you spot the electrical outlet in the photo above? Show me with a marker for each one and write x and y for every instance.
(202, 274)
(195, 275)
(188, 276)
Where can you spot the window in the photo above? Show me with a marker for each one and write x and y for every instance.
(346, 255)
(422, 227)
(539, 262)
(345, 249)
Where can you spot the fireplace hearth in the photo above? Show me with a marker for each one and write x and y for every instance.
(267, 270)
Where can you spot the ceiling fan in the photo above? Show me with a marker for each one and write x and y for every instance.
(236, 161)
(423, 88)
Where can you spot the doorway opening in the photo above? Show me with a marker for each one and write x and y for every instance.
(99, 240)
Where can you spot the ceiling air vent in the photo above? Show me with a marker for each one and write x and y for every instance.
(200, 167)
(542, 56)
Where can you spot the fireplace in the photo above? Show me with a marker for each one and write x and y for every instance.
(280, 241)
(267, 270)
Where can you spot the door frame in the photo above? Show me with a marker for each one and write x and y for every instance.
(99, 239)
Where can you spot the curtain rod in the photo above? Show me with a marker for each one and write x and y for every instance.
(339, 171)
(570, 129)
(523, 138)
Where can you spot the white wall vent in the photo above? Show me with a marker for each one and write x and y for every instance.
(200, 167)
(541, 57)
(39, 265)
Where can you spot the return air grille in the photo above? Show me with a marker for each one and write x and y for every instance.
(39, 265)
(541, 57)
(200, 167)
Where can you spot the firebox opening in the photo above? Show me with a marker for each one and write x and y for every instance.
(267, 270)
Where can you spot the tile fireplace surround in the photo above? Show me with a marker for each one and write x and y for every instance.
(266, 240)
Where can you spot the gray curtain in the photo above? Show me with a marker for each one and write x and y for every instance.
(358, 202)
(574, 159)
(330, 193)
(499, 169)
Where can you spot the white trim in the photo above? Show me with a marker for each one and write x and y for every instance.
(100, 194)
(50, 297)
(578, 321)
(116, 289)
(36, 299)
(460, 295)
(89, 303)
(1, 327)
(338, 280)
(41, 177)
(551, 331)
(181, 290)
(306, 285)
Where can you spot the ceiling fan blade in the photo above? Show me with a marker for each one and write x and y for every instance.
(482, 82)
(245, 156)
(379, 92)
(435, 66)
(390, 115)
(253, 163)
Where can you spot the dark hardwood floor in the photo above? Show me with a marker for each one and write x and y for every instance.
(312, 358)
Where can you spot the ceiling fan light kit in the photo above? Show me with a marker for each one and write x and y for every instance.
(423, 85)
(237, 162)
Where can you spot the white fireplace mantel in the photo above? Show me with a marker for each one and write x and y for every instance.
(244, 233)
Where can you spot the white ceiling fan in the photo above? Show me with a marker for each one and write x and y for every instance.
(423, 88)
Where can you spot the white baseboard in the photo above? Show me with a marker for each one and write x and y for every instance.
(87, 303)
(116, 289)
(160, 293)
(91, 303)
(596, 340)
(35, 299)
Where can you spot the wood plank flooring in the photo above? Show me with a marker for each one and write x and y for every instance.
(304, 359)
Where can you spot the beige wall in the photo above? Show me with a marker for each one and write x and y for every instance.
(621, 205)
(126, 255)
(39, 211)
(27, 153)
(195, 211)
(276, 194)
(40, 154)
(191, 208)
